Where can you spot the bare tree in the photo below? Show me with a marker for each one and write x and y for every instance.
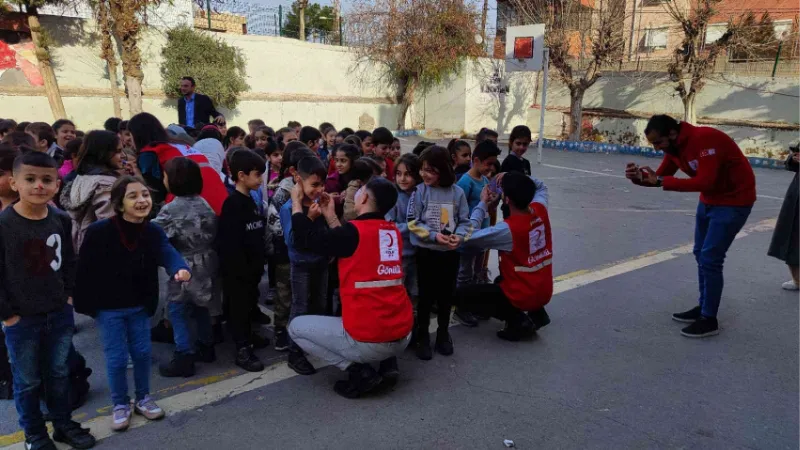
(302, 5)
(416, 44)
(695, 59)
(583, 41)
(107, 51)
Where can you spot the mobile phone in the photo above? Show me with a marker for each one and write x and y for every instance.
(495, 188)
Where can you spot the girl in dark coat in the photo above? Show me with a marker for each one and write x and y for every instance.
(785, 240)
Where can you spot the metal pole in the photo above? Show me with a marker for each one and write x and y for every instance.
(280, 20)
(777, 58)
(545, 68)
(341, 35)
(208, 13)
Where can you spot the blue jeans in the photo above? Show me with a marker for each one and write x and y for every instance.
(37, 349)
(181, 314)
(309, 288)
(126, 331)
(715, 229)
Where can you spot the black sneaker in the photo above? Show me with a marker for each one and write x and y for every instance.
(518, 329)
(422, 346)
(204, 353)
(258, 341)
(702, 327)
(389, 369)
(299, 363)
(219, 333)
(182, 365)
(39, 442)
(281, 340)
(444, 343)
(73, 435)
(466, 318)
(689, 316)
(259, 317)
(362, 378)
(247, 360)
(539, 318)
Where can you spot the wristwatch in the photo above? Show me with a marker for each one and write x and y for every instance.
(659, 181)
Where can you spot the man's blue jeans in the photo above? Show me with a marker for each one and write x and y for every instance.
(181, 315)
(125, 331)
(715, 229)
(37, 348)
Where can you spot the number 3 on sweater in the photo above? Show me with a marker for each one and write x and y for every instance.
(54, 241)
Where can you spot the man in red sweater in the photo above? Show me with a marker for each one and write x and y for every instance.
(723, 176)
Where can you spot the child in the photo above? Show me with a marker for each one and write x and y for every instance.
(287, 135)
(382, 139)
(112, 124)
(311, 136)
(274, 163)
(309, 272)
(122, 255)
(191, 226)
(486, 134)
(460, 153)
(234, 138)
(36, 270)
(65, 131)
(261, 137)
(126, 138)
(337, 182)
(471, 265)
(43, 134)
(7, 126)
(279, 257)
(518, 144)
(366, 141)
(407, 178)
(7, 195)
(328, 140)
(340, 137)
(253, 125)
(438, 221)
(364, 169)
(294, 126)
(421, 146)
(71, 158)
(242, 252)
(394, 152)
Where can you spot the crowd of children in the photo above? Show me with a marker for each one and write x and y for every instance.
(360, 243)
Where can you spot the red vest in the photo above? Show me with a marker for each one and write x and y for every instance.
(526, 270)
(375, 305)
(214, 191)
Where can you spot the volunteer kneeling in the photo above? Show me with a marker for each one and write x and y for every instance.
(377, 315)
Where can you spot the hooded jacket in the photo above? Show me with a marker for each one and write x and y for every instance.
(87, 199)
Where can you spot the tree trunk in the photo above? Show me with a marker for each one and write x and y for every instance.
(407, 90)
(134, 87)
(46, 66)
(113, 79)
(483, 20)
(107, 53)
(126, 29)
(575, 113)
(689, 111)
(302, 32)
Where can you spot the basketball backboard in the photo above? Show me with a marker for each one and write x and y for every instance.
(524, 46)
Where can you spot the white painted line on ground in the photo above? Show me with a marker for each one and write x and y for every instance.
(203, 396)
(584, 171)
(769, 197)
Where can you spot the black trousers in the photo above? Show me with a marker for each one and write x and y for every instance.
(241, 297)
(487, 300)
(437, 272)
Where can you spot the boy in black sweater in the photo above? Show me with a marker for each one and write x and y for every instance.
(241, 246)
(37, 266)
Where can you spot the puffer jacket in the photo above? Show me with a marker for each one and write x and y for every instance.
(87, 199)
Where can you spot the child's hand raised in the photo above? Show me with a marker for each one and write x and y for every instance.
(314, 211)
(183, 275)
(297, 191)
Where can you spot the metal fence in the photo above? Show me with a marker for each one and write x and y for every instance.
(239, 17)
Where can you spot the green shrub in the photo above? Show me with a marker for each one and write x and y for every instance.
(218, 68)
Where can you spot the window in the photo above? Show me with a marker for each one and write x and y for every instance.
(715, 31)
(782, 28)
(655, 39)
(653, 2)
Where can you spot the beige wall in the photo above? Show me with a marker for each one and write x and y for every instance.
(648, 14)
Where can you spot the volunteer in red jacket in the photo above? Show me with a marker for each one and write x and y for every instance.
(723, 176)
(155, 149)
(377, 316)
(525, 243)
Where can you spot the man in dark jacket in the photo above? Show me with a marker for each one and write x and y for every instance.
(194, 108)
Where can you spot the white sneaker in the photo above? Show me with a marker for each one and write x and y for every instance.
(790, 286)
(121, 419)
(148, 408)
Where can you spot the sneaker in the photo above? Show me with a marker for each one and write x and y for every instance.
(465, 318)
(259, 317)
(389, 371)
(204, 353)
(182, 365)
(422, 346)
(516, 330)
(39, 442)
(444, 343)
(73, 435)
(539, 318)
(121, 418)
(281, 340)
(219, 333)
(299, 363)
(362, 378)
(790, 286)
(702, 327)
(259, 342)
(147, 407)
(247, 360)
(689, 316)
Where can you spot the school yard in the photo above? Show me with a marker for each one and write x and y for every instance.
(611, 371)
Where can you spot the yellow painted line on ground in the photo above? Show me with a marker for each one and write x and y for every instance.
(228, 384)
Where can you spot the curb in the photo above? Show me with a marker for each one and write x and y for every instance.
(603, 147)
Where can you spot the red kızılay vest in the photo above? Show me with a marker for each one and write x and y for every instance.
(527, 271)
(375, 305)
(214, 191)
